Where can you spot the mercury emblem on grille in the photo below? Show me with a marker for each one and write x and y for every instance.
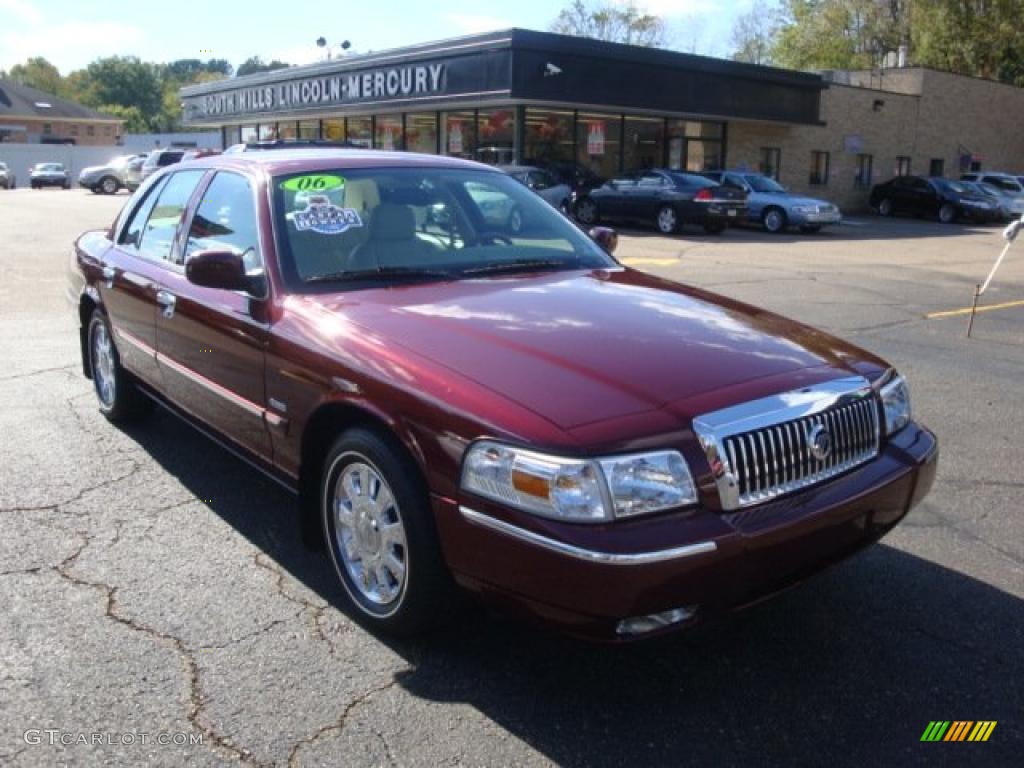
(820, 441)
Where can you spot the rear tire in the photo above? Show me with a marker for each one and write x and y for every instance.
(667, 220)
(587, 213)
(885, 207)
(379, 529)
(118, 397)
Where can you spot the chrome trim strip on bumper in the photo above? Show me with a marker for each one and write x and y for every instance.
(587, 555)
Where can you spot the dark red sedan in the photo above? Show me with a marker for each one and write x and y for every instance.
(515, 413)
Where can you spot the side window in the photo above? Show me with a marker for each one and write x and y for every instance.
(131, 235)
(162, 224)
(226, 220)
(651, 181)
(542, 180)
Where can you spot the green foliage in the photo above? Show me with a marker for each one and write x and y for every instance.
(255, 64)
(838, 34)
(754, 33)
(37, 72)
(622, 22)
(124, 80)
(134, 121)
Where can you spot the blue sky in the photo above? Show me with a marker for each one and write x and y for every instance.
(71, 33)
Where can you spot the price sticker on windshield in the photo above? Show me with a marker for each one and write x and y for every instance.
(313, 183)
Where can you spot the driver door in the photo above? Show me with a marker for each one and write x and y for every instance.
(211, 342)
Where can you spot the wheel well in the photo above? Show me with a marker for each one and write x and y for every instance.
(85, 309)
(322, 429)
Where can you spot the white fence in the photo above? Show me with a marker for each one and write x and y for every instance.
(21, 157)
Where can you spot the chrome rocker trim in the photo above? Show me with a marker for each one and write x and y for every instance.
(587, 555)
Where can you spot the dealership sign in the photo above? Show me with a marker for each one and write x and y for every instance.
(323, 90)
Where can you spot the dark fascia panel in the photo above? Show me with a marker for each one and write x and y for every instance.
(594, 72)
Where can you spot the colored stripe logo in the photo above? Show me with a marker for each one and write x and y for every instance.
(958, 730)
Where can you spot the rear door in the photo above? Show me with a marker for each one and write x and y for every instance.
(645, 200)
(129, 290)
(210, 342)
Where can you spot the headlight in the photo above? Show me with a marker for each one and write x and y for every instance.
(578, 490)
(896, 404)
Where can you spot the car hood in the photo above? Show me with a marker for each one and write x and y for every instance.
(582, 347)
(96, 169)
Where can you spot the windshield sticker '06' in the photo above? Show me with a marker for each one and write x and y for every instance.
(327, 219)
(313, 183)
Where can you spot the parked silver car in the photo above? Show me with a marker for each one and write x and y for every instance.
(7, 178)
(48, 175)
(543, 183)
(1009, 203)
(106, 179)
(774, 206)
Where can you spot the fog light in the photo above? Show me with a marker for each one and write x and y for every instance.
(641, 625)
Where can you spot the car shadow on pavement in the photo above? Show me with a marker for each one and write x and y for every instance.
(848, 668)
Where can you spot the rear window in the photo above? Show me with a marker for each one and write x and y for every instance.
(692, 180)
(347, 225)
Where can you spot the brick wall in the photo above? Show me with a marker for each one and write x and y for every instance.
(86, 133)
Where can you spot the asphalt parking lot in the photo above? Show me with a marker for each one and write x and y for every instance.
(151, 583)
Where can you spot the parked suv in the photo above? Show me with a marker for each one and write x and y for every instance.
(1005, 181)
(158, 158)
(7, 177)
(106, 179)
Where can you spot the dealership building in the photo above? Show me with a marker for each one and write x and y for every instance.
(519, 96)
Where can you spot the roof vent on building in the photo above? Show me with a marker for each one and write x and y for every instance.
(44, 105)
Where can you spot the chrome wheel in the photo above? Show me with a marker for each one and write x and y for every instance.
(947, 213)
(885, 207)
(369, 534)
(104, 371)
(774, 220)
(667, 220)
(586, 212)
(109, 186)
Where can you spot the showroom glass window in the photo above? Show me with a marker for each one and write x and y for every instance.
(226, 220)
(309, 129)
(359, 130)
(865, 165)
(936, 167)
(388, 132)
(819, 168)
(771, 161)
(333, 130)
(598, 142)
(548, 137)
(644, 144)
(421, 132)
(288, 130)
(232, 135)
(250, 133)
(163, 221)
(495, 136)
(694, 145)
(902, 166)
(268, 131)
(458, 137)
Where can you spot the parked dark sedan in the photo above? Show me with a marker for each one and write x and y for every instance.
(942, 198)
(667, 199)
(48, 175)
(514, 413)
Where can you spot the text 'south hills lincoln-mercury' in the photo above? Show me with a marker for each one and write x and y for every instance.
(460, 403)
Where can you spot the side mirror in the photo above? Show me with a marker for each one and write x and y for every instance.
(606, 237)
(218, 269)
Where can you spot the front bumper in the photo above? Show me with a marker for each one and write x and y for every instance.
(816, 219)
(586, 579)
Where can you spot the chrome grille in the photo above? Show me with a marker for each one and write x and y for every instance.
(777, 459)
(762, 449)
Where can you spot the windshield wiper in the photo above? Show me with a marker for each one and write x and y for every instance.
(353, 275)
(519, 265)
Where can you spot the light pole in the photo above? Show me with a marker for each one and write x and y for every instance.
(321, 42)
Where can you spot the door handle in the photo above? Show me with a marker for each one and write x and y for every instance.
(166, 300)
(109, 273)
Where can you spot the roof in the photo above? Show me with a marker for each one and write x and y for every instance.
(283, 161)
(17, 100)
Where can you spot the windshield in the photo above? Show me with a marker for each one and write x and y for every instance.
(386, 224)
(957, 187)
(764, 184)
(49, 167)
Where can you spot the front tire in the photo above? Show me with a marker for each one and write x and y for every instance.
(118, 397)
(885, 207)
(947, 213)
(379, 529)
(774, 220)
(587, 213)
(109, 185)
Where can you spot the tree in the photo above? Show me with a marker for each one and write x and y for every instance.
(38, 73)
(839, 34)
(753, 33)
(622, 22)
(972, 37)
(134, 121)
(124, 80)
(255, 64)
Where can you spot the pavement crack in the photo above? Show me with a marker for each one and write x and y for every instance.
(190, 666)
(22, 571)
(249, 635)
(339, 724)
(314, 611)
(38, 372)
